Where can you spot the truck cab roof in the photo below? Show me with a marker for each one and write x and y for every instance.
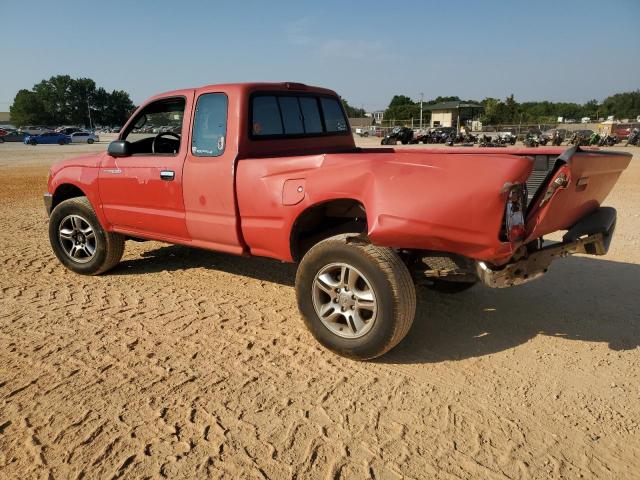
(249, 145)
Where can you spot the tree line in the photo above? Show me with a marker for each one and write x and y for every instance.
(62, 100)
(511, 112)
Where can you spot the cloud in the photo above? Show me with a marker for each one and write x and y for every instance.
(297, 32)
(300, 33)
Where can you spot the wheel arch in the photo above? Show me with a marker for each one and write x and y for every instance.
(65, 191)
(323, 220)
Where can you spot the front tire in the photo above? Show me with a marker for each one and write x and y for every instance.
(358, 300)
(90, 141)
(80, 242)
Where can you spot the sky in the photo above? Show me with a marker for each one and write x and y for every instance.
(367, 50)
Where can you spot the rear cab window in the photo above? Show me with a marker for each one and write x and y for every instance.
(283, 114)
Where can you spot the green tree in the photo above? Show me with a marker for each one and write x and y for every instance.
(402, 109)
(352, 112)
(453, 98)
(119, 107)
(622, 105)
(63, 100)
(511, 110)
(26, 108)
(494, 111)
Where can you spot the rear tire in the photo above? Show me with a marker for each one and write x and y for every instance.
(33, 142)
(358, 300)
(60, 142)
(90, 141)
(80, 242)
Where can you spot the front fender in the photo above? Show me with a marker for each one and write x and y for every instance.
(84, 179)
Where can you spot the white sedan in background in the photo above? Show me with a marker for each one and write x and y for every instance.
(84, 137)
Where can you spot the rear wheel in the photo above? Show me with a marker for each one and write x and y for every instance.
(33, 142)
(357, 300)
(60, 142)
(90, 141)
(80, 242)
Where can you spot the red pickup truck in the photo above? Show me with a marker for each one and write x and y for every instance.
(271, 169)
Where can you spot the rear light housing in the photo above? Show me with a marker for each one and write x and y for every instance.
(514, 229)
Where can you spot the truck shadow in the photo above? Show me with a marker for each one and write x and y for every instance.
(172, 258)
(581, 298)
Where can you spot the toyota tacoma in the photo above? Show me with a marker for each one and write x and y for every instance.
(272, 170)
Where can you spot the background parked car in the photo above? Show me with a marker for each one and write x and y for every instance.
(84, 137)
(549, 134)
(622, 131)
(584, 132)
(14, 136)
(68, 130)
(34, 129)
(48, 138)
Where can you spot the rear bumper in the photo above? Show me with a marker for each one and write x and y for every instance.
(591, 235)
(48, 201)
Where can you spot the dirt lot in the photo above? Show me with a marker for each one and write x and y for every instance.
(185, 363)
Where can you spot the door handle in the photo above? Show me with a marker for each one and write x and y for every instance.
(167, 175)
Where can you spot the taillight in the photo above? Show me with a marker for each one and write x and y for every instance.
(514, 216)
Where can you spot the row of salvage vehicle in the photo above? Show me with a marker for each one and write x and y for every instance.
(446, 135)
(555, 137)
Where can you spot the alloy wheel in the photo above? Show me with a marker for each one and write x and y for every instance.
(344, 300)
(77, 238)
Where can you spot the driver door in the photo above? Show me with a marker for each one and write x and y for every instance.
(142, 194)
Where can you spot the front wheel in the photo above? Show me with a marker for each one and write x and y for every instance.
(90, 141)
(33, 142)
(358, 300)
(80, 242)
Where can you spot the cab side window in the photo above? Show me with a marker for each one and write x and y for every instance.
(210, 125)
(157, 129)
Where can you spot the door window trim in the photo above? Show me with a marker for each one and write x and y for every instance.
(124, 132)
(193, 125)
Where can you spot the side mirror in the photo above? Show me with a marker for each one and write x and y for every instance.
(119, 148)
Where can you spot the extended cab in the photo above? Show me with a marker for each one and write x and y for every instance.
(272, 170)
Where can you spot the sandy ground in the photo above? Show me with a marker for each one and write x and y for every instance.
(184, 363)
